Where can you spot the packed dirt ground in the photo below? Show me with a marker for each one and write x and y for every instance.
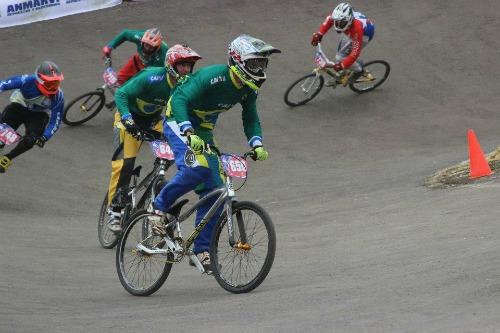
(363, 245)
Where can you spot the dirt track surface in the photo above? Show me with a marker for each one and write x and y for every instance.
(362, 245)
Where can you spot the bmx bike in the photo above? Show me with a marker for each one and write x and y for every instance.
(303, 90)
(242, 245)
(138, 195)
(87, 106)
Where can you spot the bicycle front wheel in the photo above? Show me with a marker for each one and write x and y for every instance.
(140, 273)
(107, 238)
(304, 89)
(242, 267)
(374, 74)
(84, 108)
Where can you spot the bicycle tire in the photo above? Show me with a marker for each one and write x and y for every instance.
(91, 113)
(222, 270)
(139, 217)
(106, 237)
(291, 103)
(356, 86)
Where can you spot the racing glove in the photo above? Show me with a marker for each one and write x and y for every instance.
(196, 143)
(316, 38)
(131, 127)
(40, 141)
(260, 154)
(106, 51)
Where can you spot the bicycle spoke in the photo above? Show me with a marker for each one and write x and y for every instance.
(141, 273)
(304, 89)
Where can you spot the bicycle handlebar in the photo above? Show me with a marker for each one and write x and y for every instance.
(250, 153)
(147, 135)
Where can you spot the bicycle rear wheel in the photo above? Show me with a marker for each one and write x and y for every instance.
(244, 266)
(304, 89)
(140, 273)
(84, 108)
(107, 238)
(374, 74)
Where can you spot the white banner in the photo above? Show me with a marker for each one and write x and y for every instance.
(16, 12)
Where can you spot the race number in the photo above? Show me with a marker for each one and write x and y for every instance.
(234, 166)
(110, 77)
(319, 59)
(8, 135)
(162, 150)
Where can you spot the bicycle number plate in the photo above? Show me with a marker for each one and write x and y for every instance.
(8, 135)
(110, 77)
(319, 59)
(234, 166)
(162, 150)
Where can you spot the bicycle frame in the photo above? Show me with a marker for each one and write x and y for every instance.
(225, 196)
(322, 60)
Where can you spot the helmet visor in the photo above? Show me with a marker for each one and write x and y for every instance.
(148, 49)
(52, 86)
(256, 66)
(341, 24)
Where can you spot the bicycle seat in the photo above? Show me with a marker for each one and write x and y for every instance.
(176, 208)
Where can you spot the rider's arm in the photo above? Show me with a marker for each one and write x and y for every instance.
(356, 35)
(55, 115)
(132, 89)
(15, 82)
(251, 122)
(126, 35)
(189, 90)
(326, 25)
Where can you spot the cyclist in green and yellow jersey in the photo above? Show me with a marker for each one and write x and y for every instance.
(141, 103)
(192, 113)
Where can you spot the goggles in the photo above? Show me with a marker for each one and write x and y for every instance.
(51, 85)
(256, 65)
(148, 49)
(340, 24)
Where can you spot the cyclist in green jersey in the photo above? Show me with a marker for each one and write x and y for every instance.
(192, 114)
(151, 51)
(141, 102)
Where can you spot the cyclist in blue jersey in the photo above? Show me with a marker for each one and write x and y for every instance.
(37, 102)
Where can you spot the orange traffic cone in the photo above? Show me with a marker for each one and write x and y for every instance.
(478, 165)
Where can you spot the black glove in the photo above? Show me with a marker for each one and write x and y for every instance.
(131, 127)
(40, 141)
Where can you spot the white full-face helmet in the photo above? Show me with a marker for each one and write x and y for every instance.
(342, 16)
(248, 57)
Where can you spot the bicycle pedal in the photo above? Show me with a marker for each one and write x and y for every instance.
(159, 230)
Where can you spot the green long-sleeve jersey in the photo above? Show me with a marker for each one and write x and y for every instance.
(145, 95)
(198, 101)
(135, 36)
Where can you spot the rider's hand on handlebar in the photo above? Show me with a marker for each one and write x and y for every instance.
(40, 141)
(106, 52)
(316, 38)
(260, 154)
(131, 127)
(196, 143)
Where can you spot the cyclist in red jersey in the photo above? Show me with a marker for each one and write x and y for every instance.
(357, 31)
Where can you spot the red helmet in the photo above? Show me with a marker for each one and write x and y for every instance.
(48, 78)
(180, 53)
(151, 41)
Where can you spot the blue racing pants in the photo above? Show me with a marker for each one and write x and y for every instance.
(203, 176)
